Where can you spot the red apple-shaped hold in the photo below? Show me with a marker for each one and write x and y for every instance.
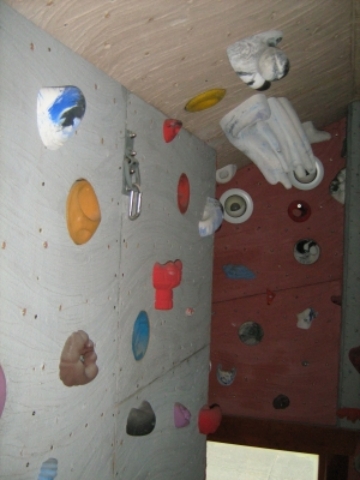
(209, 419)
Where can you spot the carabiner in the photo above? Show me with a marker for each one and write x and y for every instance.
(134, 202)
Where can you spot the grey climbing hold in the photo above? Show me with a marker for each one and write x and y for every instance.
(141, 421)
(281, 402)
(251, 333)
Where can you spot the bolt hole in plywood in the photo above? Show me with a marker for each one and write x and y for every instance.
(238, 462)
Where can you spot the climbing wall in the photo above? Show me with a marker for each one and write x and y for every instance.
(56, 279)
(349, 384)
(51, 287)
(300, 364)
(179, 337)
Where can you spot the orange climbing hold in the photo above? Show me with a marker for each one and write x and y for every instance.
(82, 212)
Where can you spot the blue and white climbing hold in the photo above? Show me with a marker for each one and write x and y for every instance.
(140, 336)
(306, 318)
(212, 217)
(238, 272)
(59, 113)
(225, 377)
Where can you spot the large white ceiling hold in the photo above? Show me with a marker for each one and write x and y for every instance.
(167, 51)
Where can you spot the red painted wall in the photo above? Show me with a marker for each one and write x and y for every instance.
(301, 364)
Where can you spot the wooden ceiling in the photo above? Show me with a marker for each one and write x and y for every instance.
(167, 51)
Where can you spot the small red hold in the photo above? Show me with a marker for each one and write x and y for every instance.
(171, 128)
(209, 419)
(270, 296)
(165, 278)
(299, 211)
(351, 414)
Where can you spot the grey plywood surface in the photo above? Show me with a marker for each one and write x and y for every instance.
(49, 286)
(167, 452)
(163, 234)
(349, 382)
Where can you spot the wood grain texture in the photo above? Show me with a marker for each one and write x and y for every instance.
(265, 244)
(166, 52)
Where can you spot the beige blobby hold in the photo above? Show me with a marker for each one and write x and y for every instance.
(78, 360)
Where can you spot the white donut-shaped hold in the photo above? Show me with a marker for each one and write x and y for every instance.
(310, 181)
(237, 204)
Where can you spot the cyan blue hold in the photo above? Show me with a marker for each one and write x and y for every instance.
(140, 337)
(49, 469)
(236, 272)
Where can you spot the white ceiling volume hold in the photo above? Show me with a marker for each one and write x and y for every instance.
(258, 61)
(270, 133)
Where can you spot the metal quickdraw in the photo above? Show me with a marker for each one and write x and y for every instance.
(132, 178)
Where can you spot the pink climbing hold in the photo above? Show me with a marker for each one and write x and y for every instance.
(182, 415)
(171, 128)
(2, 390)
(209, 419)
(165, 278)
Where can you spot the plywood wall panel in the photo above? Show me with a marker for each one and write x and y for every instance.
(161, 234)
(265, 242)
(51, 287)
(167, 452)
(301, 364)
(349, 382)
